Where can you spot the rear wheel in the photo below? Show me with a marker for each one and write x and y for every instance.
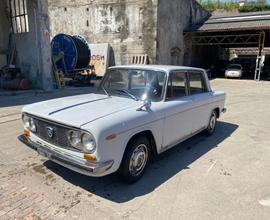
(212, 124)
(135, 159)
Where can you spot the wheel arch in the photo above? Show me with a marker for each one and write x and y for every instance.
(217, 110)
(149, 135)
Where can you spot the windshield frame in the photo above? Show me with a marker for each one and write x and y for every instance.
(161, 99)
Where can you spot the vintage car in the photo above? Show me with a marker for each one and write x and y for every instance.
(138, 112)
(234, 71)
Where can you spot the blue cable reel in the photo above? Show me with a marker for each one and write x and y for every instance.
(70, 52)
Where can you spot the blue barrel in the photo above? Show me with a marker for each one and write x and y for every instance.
(75, 51)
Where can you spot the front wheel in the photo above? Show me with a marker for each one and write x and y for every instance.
(135, 160)
(212, 124)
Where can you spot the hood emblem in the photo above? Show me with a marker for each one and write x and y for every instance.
(50, 132)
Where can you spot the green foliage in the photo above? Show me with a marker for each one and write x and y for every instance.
(251, 6)
(254, 7)
(213, 5)
(259, 5)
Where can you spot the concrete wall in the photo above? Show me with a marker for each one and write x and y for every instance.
(129, 26)
(174, 16)
(4, 32)
(33, 47)
(27, 50)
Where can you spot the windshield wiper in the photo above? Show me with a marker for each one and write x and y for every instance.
(128, 93)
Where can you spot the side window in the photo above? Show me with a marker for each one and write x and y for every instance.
(176, 85)
(196, 83)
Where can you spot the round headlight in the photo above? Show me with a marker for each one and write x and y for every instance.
(32, 125)
(26, 121)
(88, 142)
(74, 138)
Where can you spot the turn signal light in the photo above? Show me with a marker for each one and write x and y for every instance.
(111, 137)
(90, 157)
(26, 132)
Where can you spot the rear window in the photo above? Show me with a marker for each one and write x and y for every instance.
(234, 67)
(196, 83)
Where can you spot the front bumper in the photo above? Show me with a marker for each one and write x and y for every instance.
(69, 161)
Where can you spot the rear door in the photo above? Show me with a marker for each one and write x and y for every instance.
(201, 98)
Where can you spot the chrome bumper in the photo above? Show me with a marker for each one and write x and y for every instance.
(79, 165)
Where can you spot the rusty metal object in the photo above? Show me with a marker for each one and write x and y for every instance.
(16, 84)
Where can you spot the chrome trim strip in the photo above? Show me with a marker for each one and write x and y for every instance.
(53, 122)
(194, 107)
(181, 140)
(61, 125)
(79, 165)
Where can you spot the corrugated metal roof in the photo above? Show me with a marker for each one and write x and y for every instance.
(241, 21)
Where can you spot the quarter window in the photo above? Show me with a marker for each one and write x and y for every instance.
(176, 85)
(196, 83)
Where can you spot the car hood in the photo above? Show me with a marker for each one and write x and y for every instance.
(80, 110)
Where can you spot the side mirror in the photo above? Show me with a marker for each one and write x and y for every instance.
(147, 103)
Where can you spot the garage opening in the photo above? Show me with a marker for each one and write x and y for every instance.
(241, 39)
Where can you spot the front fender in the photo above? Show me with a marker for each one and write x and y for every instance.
(114, 149)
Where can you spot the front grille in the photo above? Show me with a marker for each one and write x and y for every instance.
(60, 133)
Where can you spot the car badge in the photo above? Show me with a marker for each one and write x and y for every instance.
(50, 132)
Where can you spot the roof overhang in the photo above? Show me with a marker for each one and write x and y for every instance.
(259, 21)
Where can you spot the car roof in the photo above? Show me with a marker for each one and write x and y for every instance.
(166, 68)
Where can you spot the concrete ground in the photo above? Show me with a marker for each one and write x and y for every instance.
(225, 176)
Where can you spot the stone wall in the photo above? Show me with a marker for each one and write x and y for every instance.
(4, 32)
(33, 47)
(129, 26)
(33, 52)
(173, 19)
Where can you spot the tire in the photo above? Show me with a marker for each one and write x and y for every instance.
(135, 160)
(212, 124)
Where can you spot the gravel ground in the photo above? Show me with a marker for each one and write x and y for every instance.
(225, 176)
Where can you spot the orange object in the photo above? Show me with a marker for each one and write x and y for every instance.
(26, 132)
(111, 137)
(90, 157)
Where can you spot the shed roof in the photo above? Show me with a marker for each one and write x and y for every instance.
(234, 22)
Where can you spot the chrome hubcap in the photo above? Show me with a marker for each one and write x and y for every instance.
(212, 121)
(138, 160)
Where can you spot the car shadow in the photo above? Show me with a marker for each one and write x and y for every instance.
(161, 170)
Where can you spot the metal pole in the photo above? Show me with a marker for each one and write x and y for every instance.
(261, 55)
(259, 65)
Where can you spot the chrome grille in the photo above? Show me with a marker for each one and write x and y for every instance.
(60, 137)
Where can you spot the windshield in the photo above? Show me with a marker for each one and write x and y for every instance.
(234, 66)
(134, 83)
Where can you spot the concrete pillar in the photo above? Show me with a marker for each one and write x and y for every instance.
(44, 48)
